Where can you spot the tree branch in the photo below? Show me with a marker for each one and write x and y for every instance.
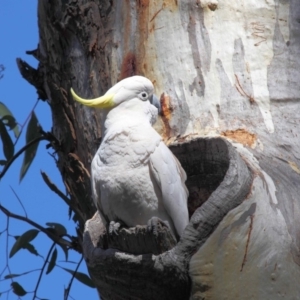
(71, 281)
(56, 190)
(27, 119)
(42, 270)
(36, 140)
(25, 273)
(58, 240)
(19, 200)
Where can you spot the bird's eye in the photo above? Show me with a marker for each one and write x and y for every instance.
(143, 96)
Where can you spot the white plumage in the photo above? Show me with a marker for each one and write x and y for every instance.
(134, 175)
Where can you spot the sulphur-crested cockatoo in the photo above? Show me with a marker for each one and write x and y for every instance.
(135, 177)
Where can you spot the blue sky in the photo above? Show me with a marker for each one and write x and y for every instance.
(18, 33)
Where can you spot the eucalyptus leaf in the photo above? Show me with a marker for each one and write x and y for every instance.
(11, 276)
(59, 228)
(29, 247)
(65, 249)
(83, 278)
(4, 112)
(18, 289)
(33, 131)
(52, 261)
(8, 146)
(9, 121)
(23, 240)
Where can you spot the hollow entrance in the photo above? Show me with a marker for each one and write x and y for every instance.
(205, 161)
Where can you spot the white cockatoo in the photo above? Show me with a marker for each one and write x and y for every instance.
(135, 178)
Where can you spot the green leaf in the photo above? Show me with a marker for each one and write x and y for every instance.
(33, 131)
(22, 241)
(18, 289)
(16, 275)
(4, 112)
(65, 249)
(59, 229)
(11, 276)
(9, 121)
(52, 261)
(8, 146)
(83, 278)
(30, 248)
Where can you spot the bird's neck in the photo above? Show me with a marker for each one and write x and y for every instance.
(134, 114)
(103, 115)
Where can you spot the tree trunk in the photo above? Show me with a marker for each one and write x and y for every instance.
(227, 73)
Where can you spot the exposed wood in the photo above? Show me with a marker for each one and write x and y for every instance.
(250, 250)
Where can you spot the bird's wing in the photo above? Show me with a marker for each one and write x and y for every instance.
(166, 170)
(96, 193)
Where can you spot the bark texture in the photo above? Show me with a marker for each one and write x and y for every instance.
(225, 71)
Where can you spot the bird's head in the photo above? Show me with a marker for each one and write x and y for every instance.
(129, 88)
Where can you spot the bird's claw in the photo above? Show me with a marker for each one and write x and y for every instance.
(114, 227)
(153, 225)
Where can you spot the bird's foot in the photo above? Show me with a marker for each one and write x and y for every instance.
(153, 225)
(114, 227)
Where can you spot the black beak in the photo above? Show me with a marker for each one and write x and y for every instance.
(154, 101)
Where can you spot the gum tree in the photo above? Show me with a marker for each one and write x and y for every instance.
(227, 74)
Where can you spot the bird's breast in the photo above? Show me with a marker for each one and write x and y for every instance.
(127, 193)
(120, 170)
(128, 146)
